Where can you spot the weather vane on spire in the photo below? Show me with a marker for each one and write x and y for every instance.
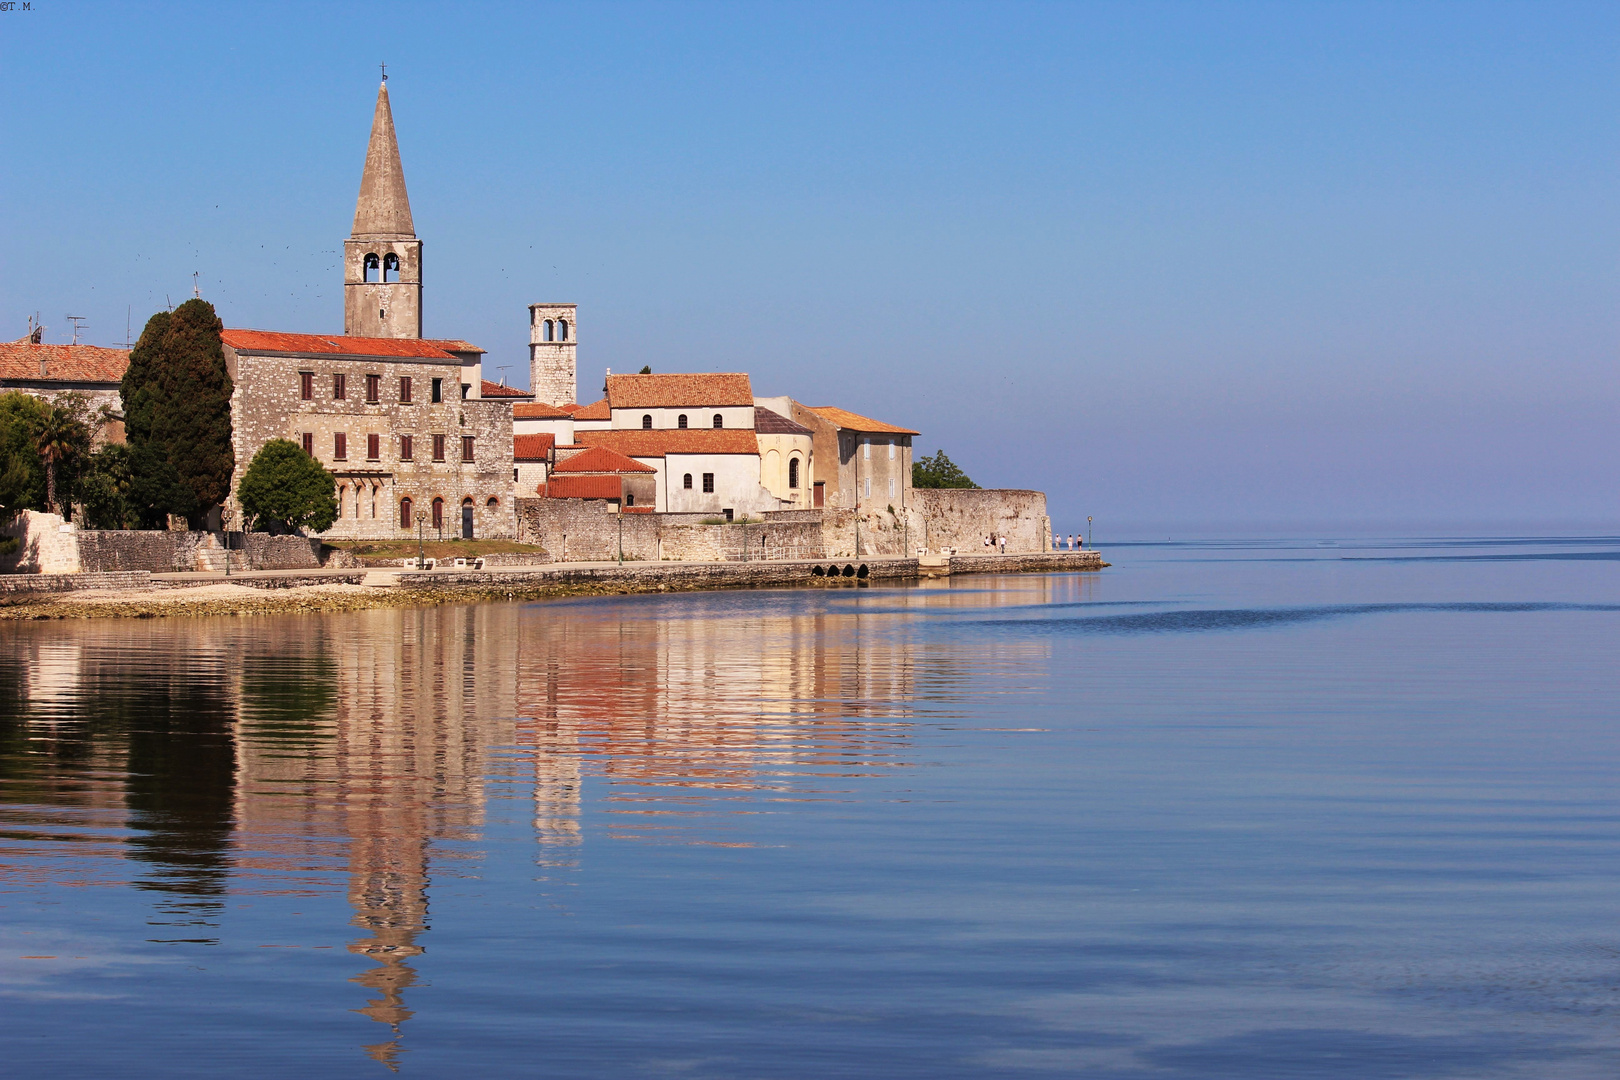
(384, 71)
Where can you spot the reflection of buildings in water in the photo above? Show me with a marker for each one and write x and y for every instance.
(713, 694)
(394, 763)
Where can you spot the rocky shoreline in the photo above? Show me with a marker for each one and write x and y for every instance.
(293, 593)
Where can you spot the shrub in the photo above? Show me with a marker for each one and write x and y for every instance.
(286, 489)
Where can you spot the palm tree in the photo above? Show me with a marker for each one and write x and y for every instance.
(56, 441)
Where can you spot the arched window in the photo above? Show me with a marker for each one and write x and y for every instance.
(793, 472)
(492, 503)
(686, 481)
(562, 329)
(438, 513)
(405, 513)
(372, 274)
(629, 499)
(646, 421)
(390, 267)
(719, 421)
(680, 421)
(546, 331)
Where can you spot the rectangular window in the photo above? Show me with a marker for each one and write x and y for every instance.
(340, 386)
(438, 391)
(891, 487)
(309, 443)
(374, 451)
(868, 487)
(404, 389)
(867, 452)
(466, 448)
(373, 389)
(340, 446)
(438, 448)
(708, 482)
(891, 449)
(405, 448)
(306, 385)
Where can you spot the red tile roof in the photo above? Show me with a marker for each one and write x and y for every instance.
(532, 447)
(677, 391)
(536, 410)
(582, 487)
(63, 363)
(639, 444)
(771, 423)
(271, 341)
(596, 410)
(856, 422)
(496, 390)
(599, 459)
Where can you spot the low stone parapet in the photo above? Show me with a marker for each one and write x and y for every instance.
(36, 583)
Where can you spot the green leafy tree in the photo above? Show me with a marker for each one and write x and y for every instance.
(646, 369)
(938, 471)
(286, 489)
(156, 489)
(104, 488)
(177, 399)
(22, 475)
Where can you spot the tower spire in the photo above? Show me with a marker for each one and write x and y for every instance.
(383, 209)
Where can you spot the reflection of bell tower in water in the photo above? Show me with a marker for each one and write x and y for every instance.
(382, 258)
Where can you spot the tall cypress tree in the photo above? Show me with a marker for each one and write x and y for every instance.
(177, 401)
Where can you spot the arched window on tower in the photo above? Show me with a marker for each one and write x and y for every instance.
(646, 421)
(546, 331)
(390, 268)
(562, 329)
(719, 421)
(373, 269)
(680, 421)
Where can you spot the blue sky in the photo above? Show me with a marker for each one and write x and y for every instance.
(1245, 264)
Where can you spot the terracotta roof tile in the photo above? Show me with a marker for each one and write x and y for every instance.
(596, 410)
(582, 487)
(272, 341)
(536, 410)
(600, 459)
(767, 422)
(63, 363)
(532, 447)
(676, 391)
(639, 444)
(496, 390)
(856, 422)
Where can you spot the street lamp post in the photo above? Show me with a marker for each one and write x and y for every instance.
(1088, 528)
(225, 516)
(421, 561)
(621, 535)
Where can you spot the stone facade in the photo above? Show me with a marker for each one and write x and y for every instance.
(859, 463)
(552, 333)
(584, 530)
(267, 403)
(961, 518)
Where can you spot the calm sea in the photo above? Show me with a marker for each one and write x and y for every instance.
(1237, 809)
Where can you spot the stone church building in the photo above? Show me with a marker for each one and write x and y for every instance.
(418, 441)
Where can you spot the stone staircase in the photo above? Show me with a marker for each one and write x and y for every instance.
(211, 556)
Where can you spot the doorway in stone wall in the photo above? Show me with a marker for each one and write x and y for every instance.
(819, 493)
(466, 519)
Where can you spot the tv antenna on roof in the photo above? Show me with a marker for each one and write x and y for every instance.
(384, 71)
(196, 293)
(77, 321)
(502, 369)
(128, 312)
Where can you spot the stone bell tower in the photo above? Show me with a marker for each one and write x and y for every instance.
(382, 258)
(551, 353)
